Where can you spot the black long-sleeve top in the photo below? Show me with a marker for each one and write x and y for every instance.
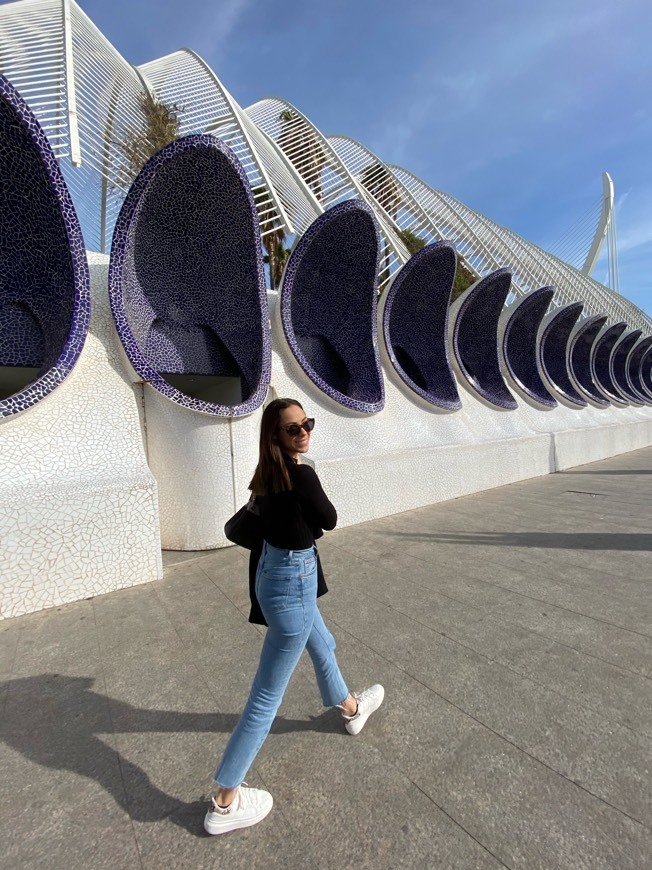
(292, 520)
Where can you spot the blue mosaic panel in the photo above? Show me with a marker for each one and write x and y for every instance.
(521, 348)
(619, 365)
(475, 342)
(554, 352)
(415, 325)
(601, 362)
(186, 279)
(634, 368)
(580, 353)
(44, 281)
(646, 372)
(328, 306)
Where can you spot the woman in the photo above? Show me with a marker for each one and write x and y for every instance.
(294, 509)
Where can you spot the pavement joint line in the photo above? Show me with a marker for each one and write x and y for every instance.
(497, 734)
(529, 597)
(232, 603)
(576, 565)
(524, 676)
(492, 616)
(114, 734)
(457, 823)
(572, 565)
(519, 593)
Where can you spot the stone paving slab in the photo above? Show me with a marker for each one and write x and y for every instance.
(512, 630)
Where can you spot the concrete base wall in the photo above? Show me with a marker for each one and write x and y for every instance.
(81, 512)
(78, 503)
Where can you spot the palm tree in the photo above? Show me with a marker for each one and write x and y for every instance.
(276, 257)
(464, 277)
(411, 241)
(303, 149)
(380, 183)
(159, 126)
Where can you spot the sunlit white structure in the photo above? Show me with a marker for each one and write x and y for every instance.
(86, 97)
(121, 457)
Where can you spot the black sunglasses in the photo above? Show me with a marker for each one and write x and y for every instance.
(294, 429)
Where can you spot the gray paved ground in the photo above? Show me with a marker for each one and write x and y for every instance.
(512, 630)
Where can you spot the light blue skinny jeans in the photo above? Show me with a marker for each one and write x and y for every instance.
(286, 587)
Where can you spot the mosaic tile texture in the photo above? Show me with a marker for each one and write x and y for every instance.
(414, 325)
(78, 503)
(554, 343)
(475, 317)
(601, 367)
(186, 280)
(646, 372)
(579, 358)
(634, 367)
(328, 306)
(44, 295)
(619, 359)
(522, 352)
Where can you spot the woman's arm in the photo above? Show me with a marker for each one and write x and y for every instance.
(316, 505)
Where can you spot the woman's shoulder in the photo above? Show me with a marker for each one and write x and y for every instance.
(302, 471)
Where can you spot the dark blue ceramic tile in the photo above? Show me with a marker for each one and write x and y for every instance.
(634, 368)
(520, 346)
(554, 352)
(619, 365)
(328, 306)
(475, 342)
(415, 325)
(601, 362)
(186, 277)
(580, 353)
(44, 281)
(646, 372)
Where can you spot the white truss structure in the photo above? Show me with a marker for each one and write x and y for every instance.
(87, 98)
(318, 164)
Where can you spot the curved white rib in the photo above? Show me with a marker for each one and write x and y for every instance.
(86, 97)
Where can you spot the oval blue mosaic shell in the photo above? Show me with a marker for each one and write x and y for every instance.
(579, 358)
(619, 359)
(646, 372)
(328, 306)
(554, 344)
(634, 368)
(521, 348)
(186, 279)
(415, 325)
(475, 342)
(44, 279)
(601, 365)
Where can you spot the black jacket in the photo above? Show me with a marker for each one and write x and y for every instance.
(292, 520)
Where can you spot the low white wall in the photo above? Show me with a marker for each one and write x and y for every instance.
(78, 504)
(79, 513)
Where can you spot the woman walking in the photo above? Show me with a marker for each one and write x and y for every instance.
(294, 510)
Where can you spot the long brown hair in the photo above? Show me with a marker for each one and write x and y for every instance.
(271, 471)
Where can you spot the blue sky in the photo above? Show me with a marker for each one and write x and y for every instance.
(515, 108)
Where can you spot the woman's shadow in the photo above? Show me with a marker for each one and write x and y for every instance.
(53, 720)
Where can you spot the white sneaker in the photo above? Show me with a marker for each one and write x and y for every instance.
(249, 806)
(368, 702)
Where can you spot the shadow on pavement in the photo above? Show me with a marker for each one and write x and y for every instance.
(54, 720)
(634, 542)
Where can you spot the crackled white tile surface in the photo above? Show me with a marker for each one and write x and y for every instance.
(78, 504)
